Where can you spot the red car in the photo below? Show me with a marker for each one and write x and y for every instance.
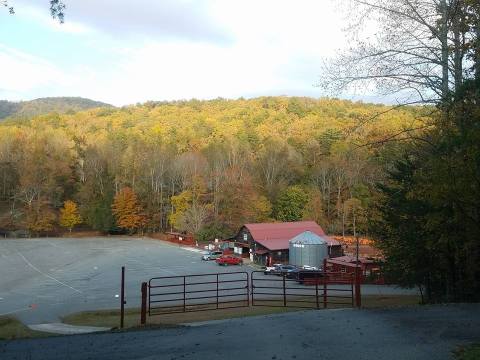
(226, 260)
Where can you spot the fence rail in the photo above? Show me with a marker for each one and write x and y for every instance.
(199, 292)
(202, 292)
(306, 290)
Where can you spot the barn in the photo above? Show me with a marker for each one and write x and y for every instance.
(268, 243)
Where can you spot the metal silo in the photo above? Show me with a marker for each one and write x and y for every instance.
(308, 248)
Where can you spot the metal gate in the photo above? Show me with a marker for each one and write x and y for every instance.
(309, 289)
(177, 294)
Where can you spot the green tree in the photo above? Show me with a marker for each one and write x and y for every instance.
(290, 204)
(429, 222)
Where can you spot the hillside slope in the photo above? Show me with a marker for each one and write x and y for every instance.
(47, 105)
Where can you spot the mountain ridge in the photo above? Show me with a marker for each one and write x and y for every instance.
(63, 104)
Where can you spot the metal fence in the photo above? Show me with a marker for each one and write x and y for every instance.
(202, 292)
(309, 289)
(199, 292)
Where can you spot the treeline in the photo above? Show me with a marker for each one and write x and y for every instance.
(203, 167)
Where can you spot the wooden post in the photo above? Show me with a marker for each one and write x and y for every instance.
(358, 297)
(143, 312)
(122, 299)
(284, 292)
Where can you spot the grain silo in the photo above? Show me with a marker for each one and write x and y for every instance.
(309, 249)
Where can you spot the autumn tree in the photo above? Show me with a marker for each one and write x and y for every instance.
(39, 216)
(128, 211)
(69, 216)
(180, 204)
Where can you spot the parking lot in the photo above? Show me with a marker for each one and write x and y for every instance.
(44, 279)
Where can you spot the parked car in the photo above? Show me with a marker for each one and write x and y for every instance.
(226, 260)
(307, 276)
(212, 255)
(280, 269)
(268, 269)
(308, 267)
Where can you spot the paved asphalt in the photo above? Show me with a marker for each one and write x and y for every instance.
(44, 279)
(414, 333)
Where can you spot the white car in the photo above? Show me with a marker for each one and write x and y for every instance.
(212, 255)
(308, 267)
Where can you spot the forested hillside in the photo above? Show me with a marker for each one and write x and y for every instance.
(46, 105)
(203, 167)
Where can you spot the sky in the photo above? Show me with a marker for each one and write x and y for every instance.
(124, 52)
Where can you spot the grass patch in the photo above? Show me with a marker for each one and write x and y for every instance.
(376, 301)
(11, 328)
(471, 352)
(111, 318)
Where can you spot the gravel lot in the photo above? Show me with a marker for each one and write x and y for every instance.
(44, 279)
(414, 333)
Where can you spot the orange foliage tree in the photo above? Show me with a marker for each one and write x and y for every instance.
(128, 211)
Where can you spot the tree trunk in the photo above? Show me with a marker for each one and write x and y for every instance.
(443, 32)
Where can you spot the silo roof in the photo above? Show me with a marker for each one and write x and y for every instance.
(308, 237)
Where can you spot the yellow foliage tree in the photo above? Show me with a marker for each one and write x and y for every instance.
(69, 216)
(180, 204)
(128, 211)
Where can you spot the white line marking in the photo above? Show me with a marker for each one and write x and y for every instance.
(54, 245)
(46, 275)
(168, 271)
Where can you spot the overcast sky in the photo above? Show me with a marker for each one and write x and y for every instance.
(123, 52)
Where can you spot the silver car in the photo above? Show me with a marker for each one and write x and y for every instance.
(212, 255)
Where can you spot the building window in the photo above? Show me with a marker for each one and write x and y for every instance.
(245, 237)
(344, 269)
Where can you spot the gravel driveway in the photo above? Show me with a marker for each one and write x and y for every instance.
(414, 333)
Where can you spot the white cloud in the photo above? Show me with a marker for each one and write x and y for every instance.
(22, 72)
(276, 48)
(182, 19)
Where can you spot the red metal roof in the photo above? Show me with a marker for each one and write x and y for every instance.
(275, 236)
(349, 260)
(261, 252)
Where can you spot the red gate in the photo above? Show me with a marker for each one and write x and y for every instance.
(304, 289)
(177, 294)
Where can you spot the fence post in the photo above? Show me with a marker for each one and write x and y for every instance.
(122, 298)
(252, 283)
(324, 283)
(217, 290)
(184, 294)
(284, 292)
(316, 290)
(358, 297)
(143, 312)
(248, 290)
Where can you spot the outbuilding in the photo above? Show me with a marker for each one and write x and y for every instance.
(268, 243)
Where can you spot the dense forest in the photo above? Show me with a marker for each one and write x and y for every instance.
(25, 109)
(203, 167)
